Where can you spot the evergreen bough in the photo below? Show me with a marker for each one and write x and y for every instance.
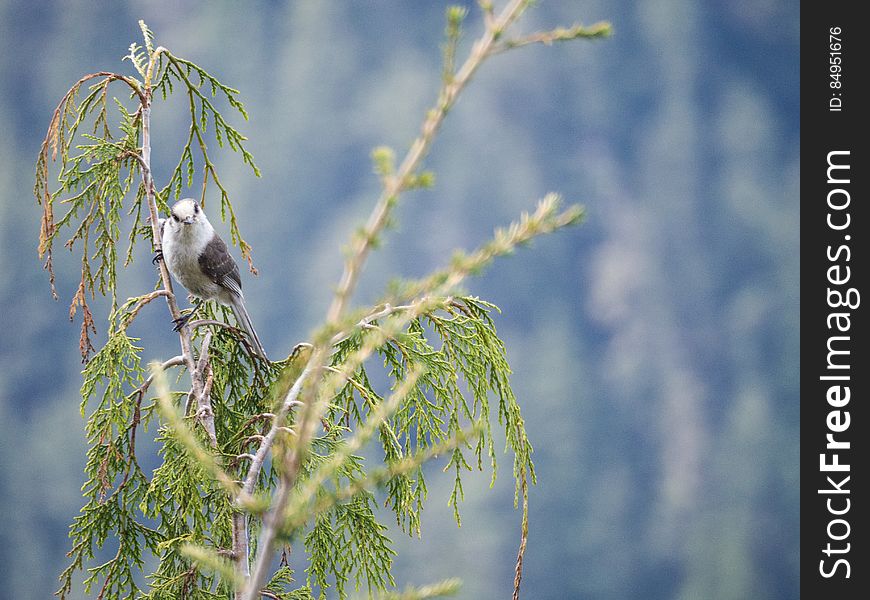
(259, 454)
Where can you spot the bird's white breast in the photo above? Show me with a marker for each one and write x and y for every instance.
(182, 246)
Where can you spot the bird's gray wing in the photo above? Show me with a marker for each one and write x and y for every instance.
(218, 265)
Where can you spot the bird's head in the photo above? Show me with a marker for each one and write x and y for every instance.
(187, 212)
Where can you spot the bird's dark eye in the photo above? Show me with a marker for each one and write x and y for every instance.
(176, 218)
(195, 208)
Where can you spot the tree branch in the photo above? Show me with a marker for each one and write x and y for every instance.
(396, 184)
(143, 300)
(172, 362)
(560, 34)
(385, 311)
(204, 411)
(148, 183)
(524, 536)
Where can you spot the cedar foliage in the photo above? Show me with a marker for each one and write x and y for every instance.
(257, 454)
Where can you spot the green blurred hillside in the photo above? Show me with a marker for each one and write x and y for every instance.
(655, 348)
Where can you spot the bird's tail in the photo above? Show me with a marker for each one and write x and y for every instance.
(244, 322)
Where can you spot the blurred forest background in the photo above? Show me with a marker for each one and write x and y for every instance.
(655, 348)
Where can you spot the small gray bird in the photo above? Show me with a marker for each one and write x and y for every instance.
(199, 260)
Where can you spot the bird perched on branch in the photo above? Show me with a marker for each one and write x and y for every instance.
(199, 260)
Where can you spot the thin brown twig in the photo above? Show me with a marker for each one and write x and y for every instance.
(240, 335)
(203, 322)
(383, 312)
(172, 362)
(524, 535)
(133, 312)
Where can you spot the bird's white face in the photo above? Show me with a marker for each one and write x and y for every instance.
(186, 212)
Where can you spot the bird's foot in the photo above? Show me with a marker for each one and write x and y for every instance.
(182, 321)
(158, 256)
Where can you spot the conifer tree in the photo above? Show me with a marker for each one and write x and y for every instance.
(256, 455)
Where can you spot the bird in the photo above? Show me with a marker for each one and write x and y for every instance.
(199, 259)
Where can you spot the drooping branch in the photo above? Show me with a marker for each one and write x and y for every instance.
(380, 476)
(57, 138)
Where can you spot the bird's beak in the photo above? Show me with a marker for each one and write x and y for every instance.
(187, 220)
